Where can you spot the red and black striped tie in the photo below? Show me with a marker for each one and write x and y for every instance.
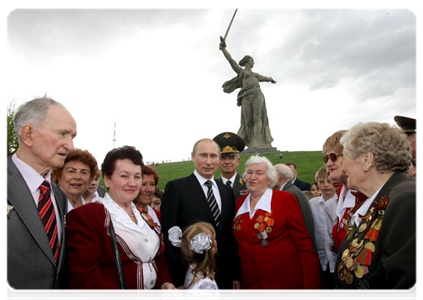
(48, 216)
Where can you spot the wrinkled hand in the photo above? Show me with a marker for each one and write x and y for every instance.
(168, 288)
(222, 43)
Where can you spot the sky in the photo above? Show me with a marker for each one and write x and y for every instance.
(158, 73)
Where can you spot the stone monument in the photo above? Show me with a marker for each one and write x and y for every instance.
(254, 128)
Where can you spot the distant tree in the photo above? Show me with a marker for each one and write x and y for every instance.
(12, 139)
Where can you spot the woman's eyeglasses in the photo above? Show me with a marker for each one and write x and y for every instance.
(332, 156)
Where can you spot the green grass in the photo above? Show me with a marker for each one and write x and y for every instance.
(308, 162)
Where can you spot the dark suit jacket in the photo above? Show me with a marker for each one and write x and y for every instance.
(393, 262)
(30, 261)
(184, 203)
(302, 185)
(101, 191)
(305, 208)
(238, 186)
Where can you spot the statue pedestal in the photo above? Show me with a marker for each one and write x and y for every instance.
(259, 150)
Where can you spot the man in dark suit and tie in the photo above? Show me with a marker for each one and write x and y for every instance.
(199, 197)
(35, 205)
(302, 185)
(231, 145)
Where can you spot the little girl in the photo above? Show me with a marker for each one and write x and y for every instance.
(198, 246)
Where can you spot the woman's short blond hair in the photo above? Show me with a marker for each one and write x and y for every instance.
(389, 145)
(332, 143)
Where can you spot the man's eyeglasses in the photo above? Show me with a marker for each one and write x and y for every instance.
(332, 156)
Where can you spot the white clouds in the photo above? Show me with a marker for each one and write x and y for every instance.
(158, 73)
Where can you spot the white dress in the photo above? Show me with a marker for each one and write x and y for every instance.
(201, 284)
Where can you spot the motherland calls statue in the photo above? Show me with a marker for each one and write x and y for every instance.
(254, 128)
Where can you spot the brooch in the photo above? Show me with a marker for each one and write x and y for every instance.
(10, 208)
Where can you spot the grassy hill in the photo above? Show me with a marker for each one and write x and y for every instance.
(308, 162)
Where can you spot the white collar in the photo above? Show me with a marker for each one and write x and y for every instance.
(118, 214)
(264, 203)
(283, 185)
(232, 179)
(202, 180)
(32, 178)
(362, 211)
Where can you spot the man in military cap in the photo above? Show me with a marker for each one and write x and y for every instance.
(231, 146)
(408, 125)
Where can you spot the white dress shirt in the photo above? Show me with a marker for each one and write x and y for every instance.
(143, 241)
(224, 180)
(324, 218)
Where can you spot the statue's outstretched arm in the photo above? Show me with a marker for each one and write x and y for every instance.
(232, 62)
(265, 78)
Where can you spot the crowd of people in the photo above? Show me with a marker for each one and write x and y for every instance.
(353, 228)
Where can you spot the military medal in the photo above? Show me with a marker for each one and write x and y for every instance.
(264, 227)
(236, 223)
(357, 257)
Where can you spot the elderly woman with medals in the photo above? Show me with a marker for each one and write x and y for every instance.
(110, 244)
(275, 248)
(379, 252)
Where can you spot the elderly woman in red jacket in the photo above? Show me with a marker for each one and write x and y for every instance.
(274, 245)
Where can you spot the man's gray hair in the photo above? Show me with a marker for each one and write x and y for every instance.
(284, 171)
(32, 112)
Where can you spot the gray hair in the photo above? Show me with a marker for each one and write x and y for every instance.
(389, 145)
(284, 171)
(33, 112)
(271, 171)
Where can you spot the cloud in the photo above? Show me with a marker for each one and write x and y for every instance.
(158, 73)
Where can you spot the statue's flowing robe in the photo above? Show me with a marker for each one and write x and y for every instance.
(251, 91)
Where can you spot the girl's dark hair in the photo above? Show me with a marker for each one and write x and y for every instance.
(125, 152)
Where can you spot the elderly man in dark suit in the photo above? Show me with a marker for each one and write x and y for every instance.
(285, 176)
(35, 205)
(199, 197)
(231, 145)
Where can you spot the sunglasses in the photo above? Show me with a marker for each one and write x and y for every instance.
(332, 156)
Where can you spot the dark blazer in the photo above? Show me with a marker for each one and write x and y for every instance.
(388, 248)
(302, 185)
(239, 187)
(101, 191)
(184, 203)
(305, 208)
(30, 261)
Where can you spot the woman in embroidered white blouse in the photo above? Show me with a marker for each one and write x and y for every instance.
(90, 253)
